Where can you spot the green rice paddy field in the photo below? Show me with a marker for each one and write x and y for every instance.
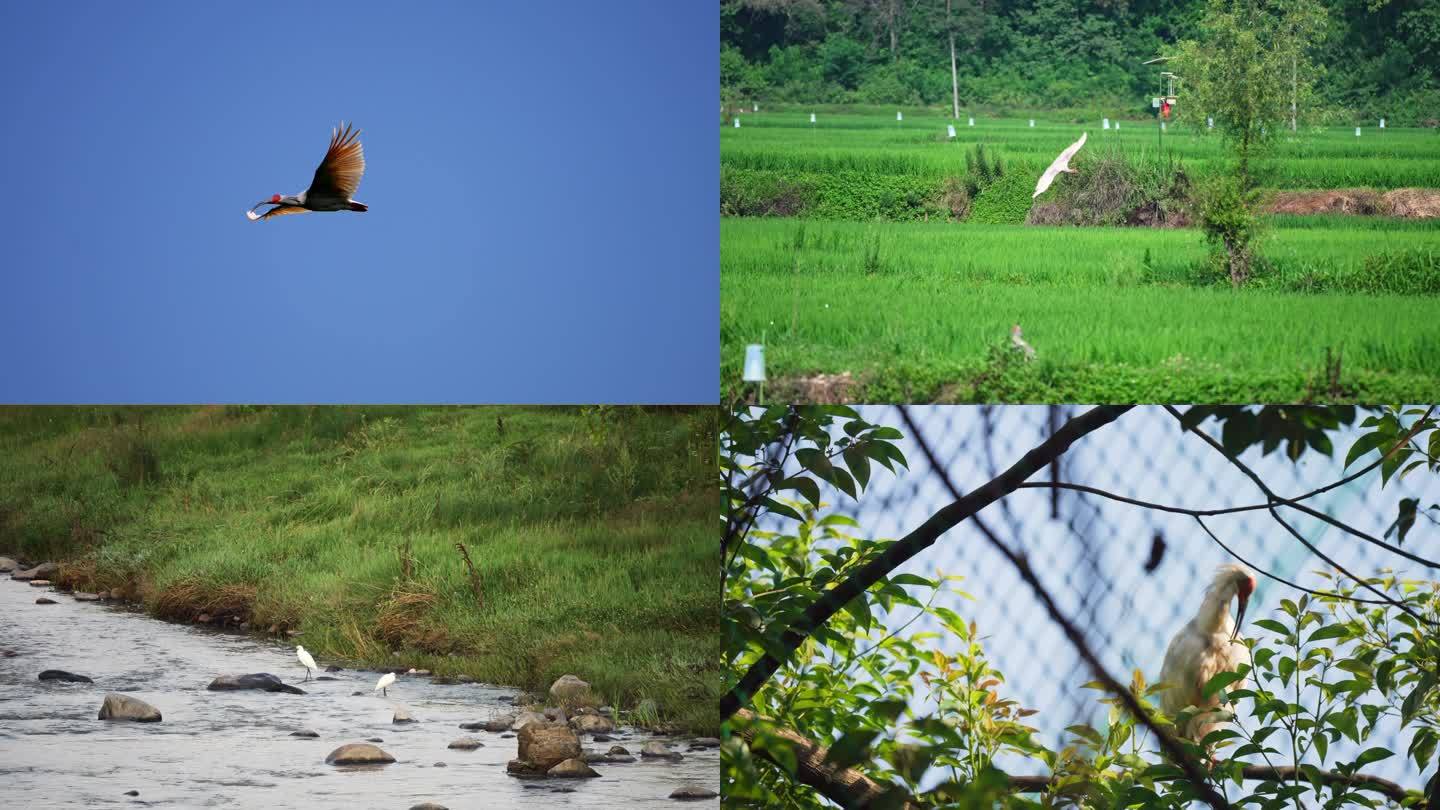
(1342, 307)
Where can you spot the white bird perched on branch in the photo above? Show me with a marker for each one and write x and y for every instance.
(305, 660)
(1061, 164)
(1206, 646)
(385, 681)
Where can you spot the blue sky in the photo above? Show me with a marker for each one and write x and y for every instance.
(540, 177)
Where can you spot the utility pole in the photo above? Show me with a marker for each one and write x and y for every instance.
(954, 75)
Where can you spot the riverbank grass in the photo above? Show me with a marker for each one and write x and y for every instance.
(512, 545)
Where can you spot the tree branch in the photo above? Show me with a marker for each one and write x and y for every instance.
(850, 788)
(916, 541)
(1171, 746)
(846, 787)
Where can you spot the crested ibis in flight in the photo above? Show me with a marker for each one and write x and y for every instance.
(335, 181)
(1061, 165)
(1206, 646)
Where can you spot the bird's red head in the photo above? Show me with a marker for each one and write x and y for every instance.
(1246, 587)
(275, 199)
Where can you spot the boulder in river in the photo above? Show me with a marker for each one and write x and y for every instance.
(542, 747)
(262, 681)
(591, 724)
(124, 707)
(62, 675)
(39, 583)
(358, 754)
(428, 806)
(572, 768)
(705, 742)
(402, 716)
(81, 596)
(569, 689)
(501, 723)
(45, 600)
(524, 719)
(693, 792)
(466, 744)
(555, 714)
(655, 750)
(619, 750)
(333, 668)
(8, 565)
(42, 571)
(304, 733)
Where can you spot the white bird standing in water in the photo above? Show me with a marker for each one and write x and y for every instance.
(1206, 646)
(385, 680)
(1061, 164)
(305, 660)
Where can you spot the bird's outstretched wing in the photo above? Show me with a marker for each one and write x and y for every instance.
(1061, 163)
(339, 173)
(277, 211)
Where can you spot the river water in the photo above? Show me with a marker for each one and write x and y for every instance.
(234, 749)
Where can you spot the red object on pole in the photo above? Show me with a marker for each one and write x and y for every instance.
(1165, 108)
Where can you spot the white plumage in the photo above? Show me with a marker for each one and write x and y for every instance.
(1206, 646)
(305, 660)
(385, 680)
(1061, 164)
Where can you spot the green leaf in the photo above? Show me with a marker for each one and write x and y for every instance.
(852, 748)
(912, 579)
(1363, 445)
(814, 461)
(1372, 755)
(805, 486)
(1220, 681)
(1404, 519)
(1329, 631)
(859, 465)
(1273, 626)
(1416, 698)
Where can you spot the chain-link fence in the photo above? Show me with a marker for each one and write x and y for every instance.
(1128, 576)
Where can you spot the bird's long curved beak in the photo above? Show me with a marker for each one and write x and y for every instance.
(1244, 600)
(251, 213)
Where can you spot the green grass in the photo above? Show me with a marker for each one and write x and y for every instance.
(919, 312)
(590, 531)
(875, 144)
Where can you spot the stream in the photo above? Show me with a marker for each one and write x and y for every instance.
(234, 749)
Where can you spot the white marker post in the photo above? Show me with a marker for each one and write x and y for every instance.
(757, 108)
(737, 122)
(1117, 126)
(1162, 126)
(812, 118)
(755, 367)
(899, 116)
(1382, 123)
(1032, 123)
(1210, 123)
(1357, 132)
(950, 128)
(1104, 123)
(972, 121)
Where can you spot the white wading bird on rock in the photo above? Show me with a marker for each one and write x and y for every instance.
(385, 680)
(1061, 164)
(335, 181)
(305, 660)
(1206, 646)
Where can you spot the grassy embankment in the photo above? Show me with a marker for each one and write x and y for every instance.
(590, 533)
(921, 312)
(898, 170)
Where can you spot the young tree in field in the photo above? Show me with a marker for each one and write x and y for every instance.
(1247, 70)
(970, 20)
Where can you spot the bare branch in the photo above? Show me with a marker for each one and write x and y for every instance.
(1171, 746)
(916, 541)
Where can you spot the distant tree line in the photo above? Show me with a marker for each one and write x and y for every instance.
(1382, 57)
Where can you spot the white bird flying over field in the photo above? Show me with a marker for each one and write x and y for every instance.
(335, 181)
(305, 660)
(1206, 646)
(385, 680)
(1061, 164)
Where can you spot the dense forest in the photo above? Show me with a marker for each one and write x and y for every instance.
(1381, 57)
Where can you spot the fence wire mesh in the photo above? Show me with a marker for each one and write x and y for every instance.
(1129, 577)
